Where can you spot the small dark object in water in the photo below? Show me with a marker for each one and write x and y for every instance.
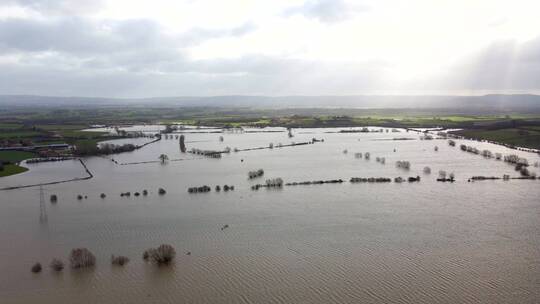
(85, 197)
(54, 198)
(224, 227)
(146, 254)
(36, 268)
(137, 193)
(242, 160)
(102, 195)
(79, 197)
(145, 192)
(188, 253)
(161, 191)
(218, 188)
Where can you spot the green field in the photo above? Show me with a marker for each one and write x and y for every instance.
(518, 137)
(19, 134)
(11, 170)
(15, 156)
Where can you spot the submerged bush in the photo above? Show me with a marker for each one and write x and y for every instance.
(81, 258)
(164, 254)
(119, 260)
(36, 268)
(57, 264)
(255, 174)
(403, 164)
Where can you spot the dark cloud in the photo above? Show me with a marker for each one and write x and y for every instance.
(104, 41)
(326, 10)
(179, 76)
(503, 65)
(76, 35)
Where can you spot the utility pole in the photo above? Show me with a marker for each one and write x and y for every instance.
(42, 207)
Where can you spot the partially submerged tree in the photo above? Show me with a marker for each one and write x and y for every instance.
(57, 264)
(81, 258)
(182, 144)
(162, 255)
(163, 158)
(119, 260)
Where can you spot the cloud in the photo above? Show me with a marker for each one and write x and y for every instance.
(328, 11)
(175, 76)
(503, 65)
(76, 35)
(83, 36)
(57, 6)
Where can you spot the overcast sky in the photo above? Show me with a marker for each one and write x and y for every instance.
(141, 48)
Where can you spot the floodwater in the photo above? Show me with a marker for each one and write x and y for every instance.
(427, 242)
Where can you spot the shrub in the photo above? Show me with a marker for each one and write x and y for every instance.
(54, 198)
(161, 191)
(119, 260)
(102, 195)
(36, 268)
(403, 164)
(57, 265)
(81, 258)
(146, 254)
(164, 254)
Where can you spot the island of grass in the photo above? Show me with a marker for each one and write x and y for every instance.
(9, 162)
(11, 169)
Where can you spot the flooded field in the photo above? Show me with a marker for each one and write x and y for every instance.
(420, 242)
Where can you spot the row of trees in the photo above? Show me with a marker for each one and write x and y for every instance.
(84, 258)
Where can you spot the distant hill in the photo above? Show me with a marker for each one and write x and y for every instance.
(487, 102)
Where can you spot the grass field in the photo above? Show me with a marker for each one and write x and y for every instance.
(15, 156)
(19, 134)
(11, 170)
(517, 137)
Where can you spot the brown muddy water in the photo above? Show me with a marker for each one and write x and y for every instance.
(427, 242)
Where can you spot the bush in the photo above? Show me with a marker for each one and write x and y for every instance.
(164, 254)
(36, 268)
(161, 191)
(81, 258)
(54, 198)
(119, 260)
(57, 265)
